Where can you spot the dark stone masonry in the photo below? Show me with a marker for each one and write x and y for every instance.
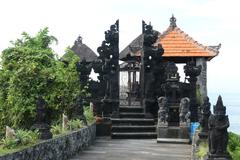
(59, 148)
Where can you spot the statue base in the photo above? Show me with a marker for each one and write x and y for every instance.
(203, 135)
(225, 156)
(173, 134)
(111, 107)
(151, 107)
(44, 130)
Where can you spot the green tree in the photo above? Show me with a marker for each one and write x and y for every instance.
(29, 69)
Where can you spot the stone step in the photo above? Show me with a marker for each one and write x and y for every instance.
(134, 109)
(134, 135)
(131, 115)
(132, 121)
(133, 128)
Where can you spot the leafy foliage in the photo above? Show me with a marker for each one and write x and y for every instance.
(75, 124)
(57, 129)
(234, 145)
(203, 150)
(23, 137)
(29, 69)
(88, 113)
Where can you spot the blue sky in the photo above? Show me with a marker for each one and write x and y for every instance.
(210, 22)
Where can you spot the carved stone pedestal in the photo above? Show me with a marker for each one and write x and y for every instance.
(44, 130)
(150, 107)
(219, 157)
(111, 107)
(172, 134)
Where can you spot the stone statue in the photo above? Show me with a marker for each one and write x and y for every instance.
(218, 135)
(184, 112)
(41, 120)
(151, 61)
(163, 111)
(79, 110)
(10, 133)
(205, 113)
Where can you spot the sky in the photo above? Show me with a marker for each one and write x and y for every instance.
(209, 22)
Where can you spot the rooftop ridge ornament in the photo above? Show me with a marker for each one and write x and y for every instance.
(78, 41)
(173, 22)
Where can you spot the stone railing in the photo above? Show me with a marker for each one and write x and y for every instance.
(58, 148)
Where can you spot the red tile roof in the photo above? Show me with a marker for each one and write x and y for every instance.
(176, 43)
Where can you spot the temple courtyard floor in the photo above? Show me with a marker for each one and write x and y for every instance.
(130, 149)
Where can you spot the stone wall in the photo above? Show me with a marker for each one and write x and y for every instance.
(59, 148)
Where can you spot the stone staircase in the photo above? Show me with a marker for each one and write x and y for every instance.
(132, 124)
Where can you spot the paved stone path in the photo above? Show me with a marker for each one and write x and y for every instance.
(128, 149)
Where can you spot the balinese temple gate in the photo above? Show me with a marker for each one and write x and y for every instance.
(143, 96)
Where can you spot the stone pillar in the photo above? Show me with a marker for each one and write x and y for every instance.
(202, 78)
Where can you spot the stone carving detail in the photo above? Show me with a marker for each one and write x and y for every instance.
(218, 134)
(151, 61)
(184, 112)
(205, 113)
(163, 111)
(173, 21)
(108, 69)
(42, 120)
(84, 70)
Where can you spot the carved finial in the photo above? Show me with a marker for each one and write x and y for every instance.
(143, 26)
(117, 25)
(78, 41)
(219, 108)
(173, 22)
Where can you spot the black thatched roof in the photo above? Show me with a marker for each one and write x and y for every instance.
(134, 47)
(83, 51)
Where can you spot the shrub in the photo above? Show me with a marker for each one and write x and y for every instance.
(88, 113)
(22, 137)
(9, 143)
(203, 150)
(234, 145)
(57, 129)
(75, 124)
(29, 68)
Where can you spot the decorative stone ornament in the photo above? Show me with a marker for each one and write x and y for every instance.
(163, 111)
(41, 120)
(184, 112)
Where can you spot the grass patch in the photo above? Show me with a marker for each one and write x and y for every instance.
(203, 150)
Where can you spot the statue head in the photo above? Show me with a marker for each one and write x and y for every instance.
(219, 108)
(184, 104)
(162, 102)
